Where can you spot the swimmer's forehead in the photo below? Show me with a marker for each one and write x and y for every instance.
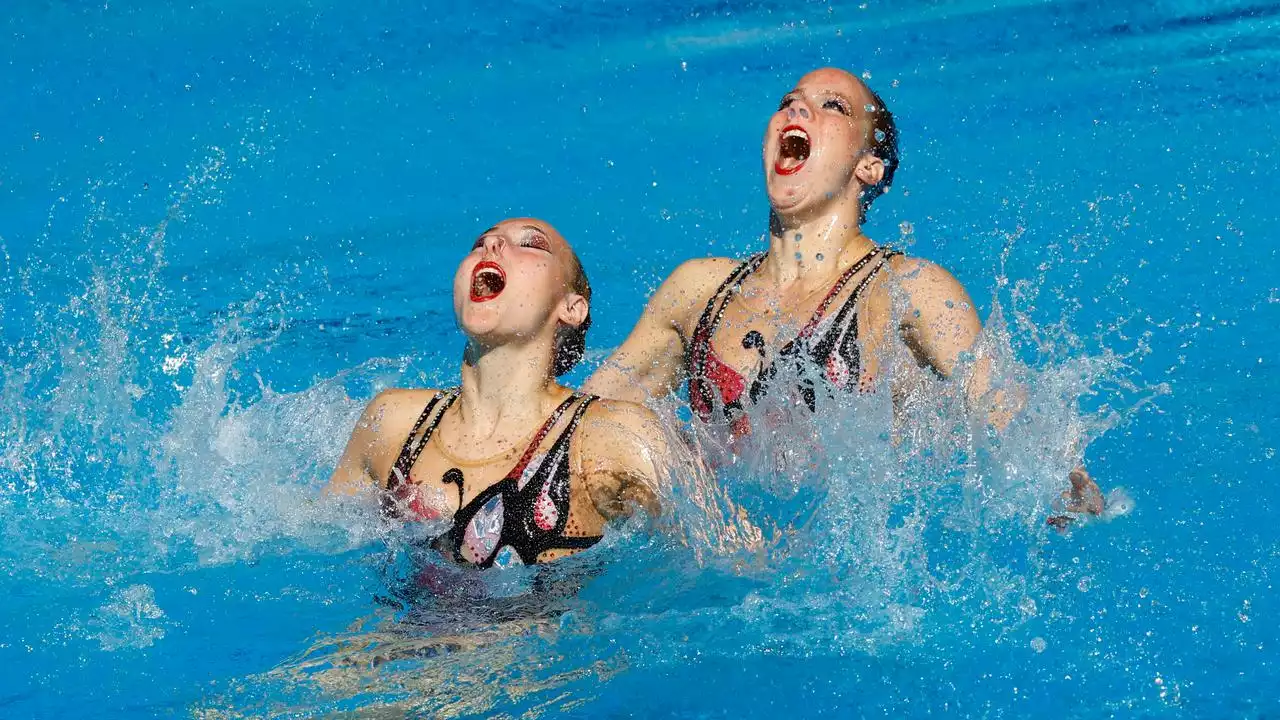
(517, 227)
(837, 81)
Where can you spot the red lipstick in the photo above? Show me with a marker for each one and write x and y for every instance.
(794, 144)
(488, 280)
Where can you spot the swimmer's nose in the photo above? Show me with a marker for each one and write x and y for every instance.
(799, 108)
(494, 243)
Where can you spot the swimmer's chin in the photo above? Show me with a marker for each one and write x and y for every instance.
(481, 323)
(784, 203)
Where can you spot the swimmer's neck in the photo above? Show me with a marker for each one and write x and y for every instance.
(506, 388)
(812, 248)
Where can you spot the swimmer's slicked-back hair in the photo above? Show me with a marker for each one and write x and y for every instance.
(882, 142)
(571, 342)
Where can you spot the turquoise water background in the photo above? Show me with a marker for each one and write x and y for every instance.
(224, 224)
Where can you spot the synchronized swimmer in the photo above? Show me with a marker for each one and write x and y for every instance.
(546, 468)
(821, 297)
(525, 469)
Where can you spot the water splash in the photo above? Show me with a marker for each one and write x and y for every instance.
(895, 512)
(144, 441)
(130, 447)
(898, 524)
(129, 619)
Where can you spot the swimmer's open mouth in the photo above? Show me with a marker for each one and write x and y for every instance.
(793, 150)
(487, 281)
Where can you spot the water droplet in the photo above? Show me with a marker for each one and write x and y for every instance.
(869, 107)
(866, 74)
(1028, 606)
(799, 256)
(819, 257)
(1084, 584)
(1038, 644)
(950, 304)
(799, 237)
(880, 136)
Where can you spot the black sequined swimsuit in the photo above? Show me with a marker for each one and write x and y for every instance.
(522, 516)
(828, 342)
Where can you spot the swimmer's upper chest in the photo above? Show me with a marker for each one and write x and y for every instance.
(752, 332)
(444, 485)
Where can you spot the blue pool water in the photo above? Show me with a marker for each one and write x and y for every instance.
(224, 225)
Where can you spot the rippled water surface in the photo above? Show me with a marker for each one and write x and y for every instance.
(223, 226)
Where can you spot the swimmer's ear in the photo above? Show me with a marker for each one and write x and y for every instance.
(869, 170)
(573, 311)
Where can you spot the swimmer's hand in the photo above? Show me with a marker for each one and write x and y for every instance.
(1084, 498)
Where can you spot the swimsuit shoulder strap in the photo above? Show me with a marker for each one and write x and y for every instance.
(541, 435)
(843, 329)
(572, 425)
(866, 280)
(419, 435)
(714, 311)
(839, 286)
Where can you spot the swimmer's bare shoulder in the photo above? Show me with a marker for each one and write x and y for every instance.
(650, 362)
(621, 455)
(938, 323)
(696, 281)
(377, 438)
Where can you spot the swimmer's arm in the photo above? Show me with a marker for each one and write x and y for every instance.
(650, 362)
(623, 456)
(940, 326)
